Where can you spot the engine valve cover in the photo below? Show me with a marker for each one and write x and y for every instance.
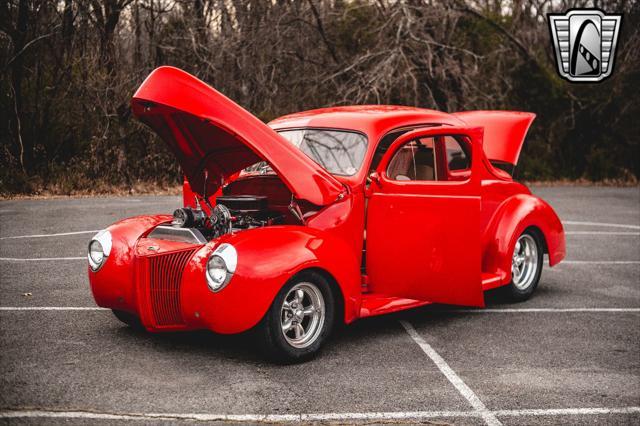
(244, 203)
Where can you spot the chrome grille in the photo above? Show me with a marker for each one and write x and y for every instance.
(165, 275)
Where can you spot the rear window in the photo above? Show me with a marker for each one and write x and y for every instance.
(457, 157)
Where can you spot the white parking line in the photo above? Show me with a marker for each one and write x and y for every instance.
(568, 222)
(318, 417)
(48, 235)
(538, 310)
(451, 375)
(600, 262)
(567, 411)
(609, 225)
(52, 308)
(635, 234)
(36, 259)
(456, 311)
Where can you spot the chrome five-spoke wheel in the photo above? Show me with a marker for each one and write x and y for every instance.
(299, 320)
(302, 315)
(526, 265)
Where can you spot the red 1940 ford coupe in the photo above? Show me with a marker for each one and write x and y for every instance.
(321, 217)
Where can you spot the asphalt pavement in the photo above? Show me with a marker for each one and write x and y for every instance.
(570, 355)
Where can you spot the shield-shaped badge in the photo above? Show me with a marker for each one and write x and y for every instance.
(585, 43)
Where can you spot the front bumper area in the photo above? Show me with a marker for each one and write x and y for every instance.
(158, 280)
(145, 278)
(164, 284)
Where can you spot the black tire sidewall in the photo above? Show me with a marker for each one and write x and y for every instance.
(274, 343)
(129, 319)
(521, 295)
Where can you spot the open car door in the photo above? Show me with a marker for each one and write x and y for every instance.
(423, 218)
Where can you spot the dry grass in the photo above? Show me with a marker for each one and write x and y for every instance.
(619, 183)
(139, 188)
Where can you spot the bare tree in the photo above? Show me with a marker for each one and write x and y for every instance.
(70, 68)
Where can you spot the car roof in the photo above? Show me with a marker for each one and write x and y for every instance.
(373, 120)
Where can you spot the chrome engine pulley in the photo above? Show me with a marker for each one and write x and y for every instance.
(220, 220)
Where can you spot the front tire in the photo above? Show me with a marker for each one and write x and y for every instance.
(128, 318)
(299, 320)
(526, 266)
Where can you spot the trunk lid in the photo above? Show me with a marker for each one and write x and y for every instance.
(213, 137)
(504, 132)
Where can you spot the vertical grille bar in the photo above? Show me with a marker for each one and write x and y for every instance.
(165, 275)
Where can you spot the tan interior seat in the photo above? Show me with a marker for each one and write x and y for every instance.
(424, 165)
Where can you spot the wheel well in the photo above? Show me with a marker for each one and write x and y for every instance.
(338, 297)
(535, 230)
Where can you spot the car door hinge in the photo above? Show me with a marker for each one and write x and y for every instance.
(364, 283)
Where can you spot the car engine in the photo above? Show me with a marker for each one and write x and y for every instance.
(231, 212)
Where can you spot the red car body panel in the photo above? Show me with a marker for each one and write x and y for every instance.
(426, 242)
(113, 286)
(504, 132)
(208, 131)
(441, 215)
(274, 254)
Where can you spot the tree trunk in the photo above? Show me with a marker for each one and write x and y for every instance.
(24, 145)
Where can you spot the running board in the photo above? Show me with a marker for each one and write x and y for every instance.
(490, 281)
(379, 304)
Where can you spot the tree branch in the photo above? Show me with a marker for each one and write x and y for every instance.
(330, 47)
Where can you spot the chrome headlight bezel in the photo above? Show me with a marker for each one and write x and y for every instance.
(225, 257)
(104, 239)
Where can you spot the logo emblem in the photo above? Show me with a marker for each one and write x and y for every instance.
(585, 43)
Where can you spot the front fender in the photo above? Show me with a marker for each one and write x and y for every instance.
(113, 285)
(512, 217)
(267, 258)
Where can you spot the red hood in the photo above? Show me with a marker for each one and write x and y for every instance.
(209, 133)
(504, 132)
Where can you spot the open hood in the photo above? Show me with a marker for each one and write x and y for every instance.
(213, 136)
(504, 132)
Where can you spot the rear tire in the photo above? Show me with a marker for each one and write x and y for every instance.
(526, 266)
(128, 318)
(299, 320)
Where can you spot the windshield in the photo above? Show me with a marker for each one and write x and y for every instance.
(340, 152)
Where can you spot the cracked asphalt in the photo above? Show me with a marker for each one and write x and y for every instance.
(516, 357)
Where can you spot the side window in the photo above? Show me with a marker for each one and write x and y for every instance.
(414, 161)
(387, 140)
(383, 146)
(457, 158)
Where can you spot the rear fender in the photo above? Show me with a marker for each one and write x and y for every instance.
(510, 220)
(267, 258)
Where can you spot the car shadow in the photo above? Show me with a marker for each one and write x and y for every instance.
(238, 347)
(243, 347)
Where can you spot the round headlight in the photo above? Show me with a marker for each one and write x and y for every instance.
(221, 266)
(216, 272)
(96, 254)
(99, 249)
